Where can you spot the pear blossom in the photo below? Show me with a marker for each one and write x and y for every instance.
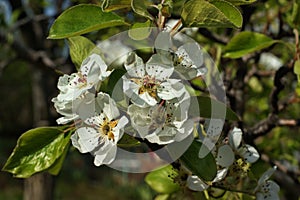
(162, 123)
(187, 59)
(147, 84)
(226, 153)
(246, 151)
(267, 189)
(70, 109)
(196, 184)
(102, 131)
(92, 71)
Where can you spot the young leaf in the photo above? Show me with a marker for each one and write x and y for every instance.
(37, 150)
(160, 180)
(80, 48)
(81, 19)
(247, 42)
(140, 8)
(205, 168)
(111, 5)
(216, 13)
(297, 69)
(140, 31)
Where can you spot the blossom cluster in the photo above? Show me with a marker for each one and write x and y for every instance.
(157, 108)
(233, 158)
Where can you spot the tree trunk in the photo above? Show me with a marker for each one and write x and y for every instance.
(39, 186)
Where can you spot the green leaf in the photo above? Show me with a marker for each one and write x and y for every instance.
(37, 150)
(140, 31)
(162, 197)
(297, 69)
(205, 168)
(111, 5)
(247, 42)
(294, 17)
(56, 167)
(80, 48)
(160, 180)
(81, 19)
(217, 13)
(211, 108)
(241, 2)
(140, 8)
(128, 141)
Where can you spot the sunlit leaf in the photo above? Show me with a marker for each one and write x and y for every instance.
(160, 180)
(297, 69)
(241, 2)
(247, 42)
(110, 5)
(81, 19)
(205, 167)
(140, 8)
(140, 31)
(57, 165)
(216, 13)
(37, 150)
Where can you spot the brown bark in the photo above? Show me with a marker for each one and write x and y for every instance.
(38, 187)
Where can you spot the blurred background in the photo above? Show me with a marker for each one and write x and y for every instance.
(28, 83)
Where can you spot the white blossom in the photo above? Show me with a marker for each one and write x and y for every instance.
(196, 184)
(147, 84)
(246, 151)
(103, 130)
(69, 109)
(267, 189)
(162, 123)
(187, 59)
(92, 71)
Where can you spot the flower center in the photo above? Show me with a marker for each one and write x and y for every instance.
(106, 128)
(147, 84)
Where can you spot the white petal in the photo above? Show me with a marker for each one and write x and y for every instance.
(105, 157)
(196, 184)
(192, 53)
(130, 87)
(171, 89)
(184, 131)
(148, 99)
(249, 153)
(221, 174)
(119, 129)
(158, 70)
(266, 175)
(235, 138)
(63, 82)
(74, 140)
(225, 156)
(88, 139)
(135, 66)
(163, 41)
(162, 136)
